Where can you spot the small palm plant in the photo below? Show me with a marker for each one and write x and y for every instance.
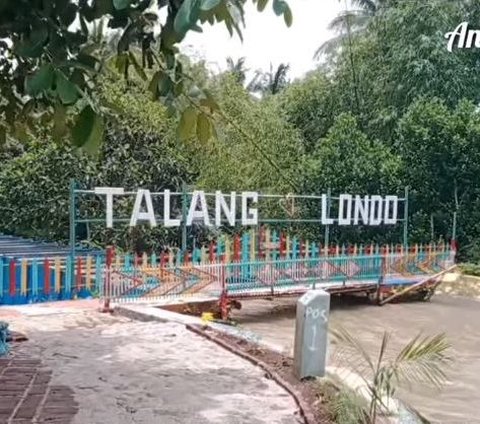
(422, 361)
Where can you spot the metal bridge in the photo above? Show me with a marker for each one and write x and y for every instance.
(379, 274)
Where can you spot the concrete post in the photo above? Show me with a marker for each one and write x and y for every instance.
(310, 349)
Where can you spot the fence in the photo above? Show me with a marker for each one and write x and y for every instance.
(31, 280)
(133, 282)
(264, 255)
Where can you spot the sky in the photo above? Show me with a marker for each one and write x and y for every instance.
(267, 39)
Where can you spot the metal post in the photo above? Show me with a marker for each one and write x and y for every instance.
(327, 227)
(73, 223)
(405, 221)
(453, 243)
(107, 283)
(454, 228)
(184, 217)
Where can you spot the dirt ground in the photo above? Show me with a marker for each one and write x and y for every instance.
(458, 317)
(124, 371)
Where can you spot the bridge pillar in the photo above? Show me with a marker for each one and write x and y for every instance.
(310, 348)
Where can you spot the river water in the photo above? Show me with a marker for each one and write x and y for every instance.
(458, 402)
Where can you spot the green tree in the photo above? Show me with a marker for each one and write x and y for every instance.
(238, 69)
(48, 62)
(140, 150)
(346, 161)
(272, 82)
(441, 148)
(310, 106)
(255, 150)
(349, 22)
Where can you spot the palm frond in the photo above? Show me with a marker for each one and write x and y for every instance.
(330, 46)
(343, 338)
(349, 20)
(279, 79)
(368, 5)
(383, 349)
(350, 408)
(423, 360)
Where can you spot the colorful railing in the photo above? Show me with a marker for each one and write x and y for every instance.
(29, 280)
(272, 278)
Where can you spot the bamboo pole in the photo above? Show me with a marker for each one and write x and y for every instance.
(416, 285)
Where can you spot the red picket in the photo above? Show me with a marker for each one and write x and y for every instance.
(236, 248)
(283, 245)
(12, 276)
(78, 277)
(47, 276)
(211, 251)
(109, 256)
(261, 241)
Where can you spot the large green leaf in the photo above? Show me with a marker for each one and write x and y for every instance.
(186, 16)
(59, 122)
(203, 128)
(88, 130)
(261, 5)
(287, 16)
(187, 123)
(280, 7)
(121, 4)
(67, 91)
(209, 4)
(165, 84)
(68, 14)
(93, 143)
(153, 84)
(42, 80)
(33, 45)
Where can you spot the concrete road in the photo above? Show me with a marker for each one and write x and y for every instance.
(458, 317)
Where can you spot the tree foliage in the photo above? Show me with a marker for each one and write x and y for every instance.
(394, 109)
(49, 61)
(309, 106)
(255, 147)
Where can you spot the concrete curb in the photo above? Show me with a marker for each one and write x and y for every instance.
(305, 409)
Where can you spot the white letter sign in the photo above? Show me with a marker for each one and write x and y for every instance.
(361, 209)
(167, 221)
(202, 213)
(342, 219)
(393, 200)
(109, 192)
(376, 210)
(221, 205)
(137, 215)
(249, 215)
(325, 219)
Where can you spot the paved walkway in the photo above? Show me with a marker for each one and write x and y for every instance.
(123, 371)
(27, 396)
